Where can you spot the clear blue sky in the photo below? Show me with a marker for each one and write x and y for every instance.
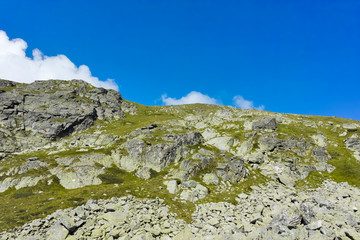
(290, 56)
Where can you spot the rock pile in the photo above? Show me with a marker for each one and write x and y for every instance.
(268, 212)
(116, 218)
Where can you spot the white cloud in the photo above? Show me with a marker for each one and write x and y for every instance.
(16, 66)
(192, 97)
(240, 102)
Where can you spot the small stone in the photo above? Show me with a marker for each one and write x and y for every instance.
(315, 225)
(213, 221)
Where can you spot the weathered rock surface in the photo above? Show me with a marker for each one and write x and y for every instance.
(266, 123)
(53, 109)
(160, 155)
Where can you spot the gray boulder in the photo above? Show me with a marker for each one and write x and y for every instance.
(353, 143)
(57, 232)
(350, 126)
(266, 123)
(320, 154)
(234, 170)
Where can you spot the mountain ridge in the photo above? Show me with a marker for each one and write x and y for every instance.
(73, 142)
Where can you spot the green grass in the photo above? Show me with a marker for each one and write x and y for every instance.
(8, 89)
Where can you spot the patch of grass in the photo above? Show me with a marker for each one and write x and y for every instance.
(8, 89)
(44, 106)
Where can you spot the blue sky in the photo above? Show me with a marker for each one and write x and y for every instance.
(286, 56)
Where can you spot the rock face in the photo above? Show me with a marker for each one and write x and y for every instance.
(53, 109)
(160, 155)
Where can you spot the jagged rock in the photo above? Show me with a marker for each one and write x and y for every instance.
(135, 149)
(269, 142)
(267, 123)
(234, 170)
(353, 143)
(28, 182)
(54, 108)
(18, 183)
(320, 154)
(69, 222)
(8, 183)
(8, 143)
(307, 213)
(161, 155)
(30, 164)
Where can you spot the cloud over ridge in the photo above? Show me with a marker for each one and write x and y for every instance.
(16, 66)
(242, 103)
(198, 97)
(192, 97)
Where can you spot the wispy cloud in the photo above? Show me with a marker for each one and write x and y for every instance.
(16, 66)
(242, 103)
(192, 97)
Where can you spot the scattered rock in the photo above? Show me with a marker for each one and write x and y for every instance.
(267, 123)
(211, 178)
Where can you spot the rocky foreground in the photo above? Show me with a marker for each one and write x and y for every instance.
(269, 212)
(170, 172)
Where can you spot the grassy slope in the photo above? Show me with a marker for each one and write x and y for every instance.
(23, 205)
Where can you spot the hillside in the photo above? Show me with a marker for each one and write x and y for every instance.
(121, 170)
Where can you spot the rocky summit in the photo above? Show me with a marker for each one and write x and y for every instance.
(79, 162)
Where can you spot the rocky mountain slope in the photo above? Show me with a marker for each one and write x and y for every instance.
(79, 162)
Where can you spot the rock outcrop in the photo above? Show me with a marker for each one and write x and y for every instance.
(53, 109)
